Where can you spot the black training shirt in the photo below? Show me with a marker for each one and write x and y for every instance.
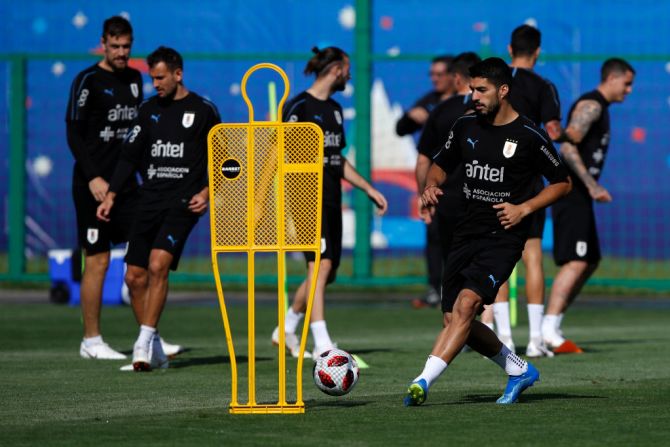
(593, 147)
(533, 96)
(407, 125)
(500, 164)
(101, 107)
(168, 145)
(328, 116)
(435, 134)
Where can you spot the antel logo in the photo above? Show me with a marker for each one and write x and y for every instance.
(231, 169)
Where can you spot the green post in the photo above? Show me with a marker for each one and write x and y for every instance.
(17, 169)
(362, 83)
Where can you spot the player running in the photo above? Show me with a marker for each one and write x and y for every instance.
(331, 68)
(576, 245)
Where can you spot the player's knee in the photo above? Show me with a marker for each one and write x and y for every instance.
(96, 264)
(136, 278)
(467, 305)
(332, 276)
(158, 268)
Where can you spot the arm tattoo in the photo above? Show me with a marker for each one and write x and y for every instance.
(585, 114)
(576, 164)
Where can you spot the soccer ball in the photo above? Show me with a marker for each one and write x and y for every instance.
(335, 372)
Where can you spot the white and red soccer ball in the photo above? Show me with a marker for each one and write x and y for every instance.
(335, 372)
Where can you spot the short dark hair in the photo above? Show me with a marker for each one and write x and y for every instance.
(169, 56)
(445, 58)
(462, 63)
(525, 41)
(323, 59)
(495, 70)
(116, 26)
(614, 65)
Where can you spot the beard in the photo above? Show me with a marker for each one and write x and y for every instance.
(489, 113)
(340, 84)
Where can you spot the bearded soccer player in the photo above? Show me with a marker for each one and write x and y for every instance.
(576, 245)
(103, 103)
(331, 68)
(502, 152)
(168, 143)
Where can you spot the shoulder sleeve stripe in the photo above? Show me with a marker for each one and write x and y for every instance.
(213, 107)
(536, 133)
(296, 104)
(514, 71)
(75, 96)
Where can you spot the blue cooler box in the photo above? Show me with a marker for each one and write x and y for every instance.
(60, 272)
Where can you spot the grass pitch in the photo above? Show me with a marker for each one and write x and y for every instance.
(617, 393)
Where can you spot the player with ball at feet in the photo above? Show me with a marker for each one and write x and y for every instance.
(502, 152)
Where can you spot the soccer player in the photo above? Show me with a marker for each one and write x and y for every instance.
(168, 143)
(537, 99)
(502, 152)
(331, 68)
(435, 132)
(103, 102)
(576, 246)
(413, 120)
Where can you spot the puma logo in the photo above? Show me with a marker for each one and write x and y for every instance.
(493, 280)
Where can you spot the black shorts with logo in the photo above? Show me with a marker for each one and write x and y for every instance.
(575, 232)
(481, 263)
(165, 229)
(96, 236)
(331, 237)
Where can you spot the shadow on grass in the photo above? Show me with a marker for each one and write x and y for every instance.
(334, 403)
(213, 360)
(526, 398)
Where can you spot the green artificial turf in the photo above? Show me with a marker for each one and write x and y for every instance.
(617, 393)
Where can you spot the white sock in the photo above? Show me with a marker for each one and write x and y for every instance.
(292, 320)
(501, 317)
(559, 321)
(510, 362)
(146, 335)
(92, 341)
(320, 333)
(549, 325)
(535, 313)
(435, 366)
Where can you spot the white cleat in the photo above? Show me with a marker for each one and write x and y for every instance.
(536, 348)
(507, 341)
(100, 351)
(141, 358)
(157, 357)
(292, 343)
(169, 349)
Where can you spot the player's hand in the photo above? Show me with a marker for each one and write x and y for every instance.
(600, 194)
(509, 214)
(98, 187)
(426, 213)
(431, 196)
(105, 207)
(419, 115)
(198, 203)
(379, 201)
